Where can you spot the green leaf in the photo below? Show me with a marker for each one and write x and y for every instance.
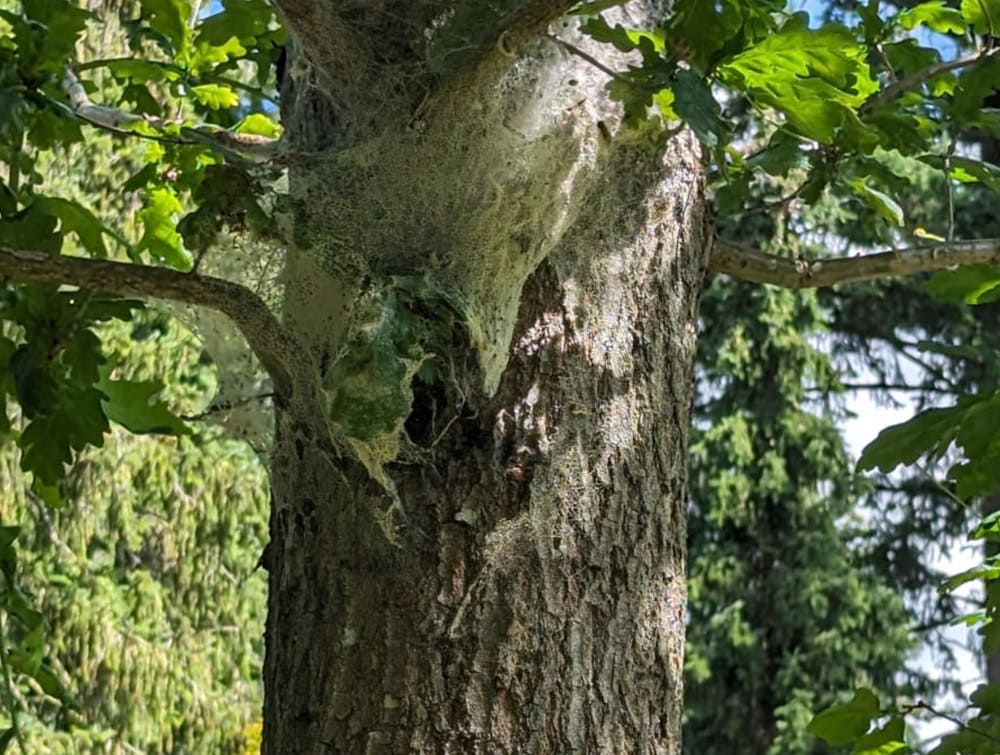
(133, 405)
(987, 698)
(49, 129)
(170, 18)
(207, 54)
(26, 657)
(215, 96)
(31, 228)
(51, 495)
(8, 202)
(8, 534)
(6, 737)
(8, 553)
(75, 218)
(975, 84)
(635, 99)
(989, 525)
(709, 31)
(64, 22)
(142, 178)
(969, 284)
(963, 742)
(258, 123)
(872, 25)
(160, 236)
(45, 450)
(982, 15)
(693, 101)
(817, 78)
(966, 169)
(13, 109)
(882, 203)
(842, 724)
(34, 387)
(908, 56)
(928, 433)
(243, 19)
(48, 442)
(784, 153)
(49, 682)
(616, 36)
(977, 437)
(970, 424)
(884, 741)
(936, 16)
(979, 573)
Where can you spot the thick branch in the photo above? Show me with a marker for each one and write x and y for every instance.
(533, 19)
(751, 265)
(279, 352)
(478, 26)
(339, 52)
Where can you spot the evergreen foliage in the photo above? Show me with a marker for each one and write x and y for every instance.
(786, 610)
(145, 574)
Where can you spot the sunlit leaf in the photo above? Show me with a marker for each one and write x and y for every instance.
(160, 237)
(215, 96)
(258, 123)
(936, 16)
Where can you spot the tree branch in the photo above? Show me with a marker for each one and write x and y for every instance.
(533, 19)
(329, 43)
(915, 79)
(181, 72)
(903, 387)
(286, 361)
(751, 265)
(241, 147)
(479, 26)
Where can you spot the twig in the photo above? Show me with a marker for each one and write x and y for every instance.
(941, 488)
(772, 205)
(750, 264)
(226, 406)
(574, 50)
(922, 705)
(889, 387)
(917, 78)
(951, 191)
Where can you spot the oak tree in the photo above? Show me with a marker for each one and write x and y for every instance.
(492, 225)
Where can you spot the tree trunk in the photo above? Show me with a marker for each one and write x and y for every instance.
(510, 577)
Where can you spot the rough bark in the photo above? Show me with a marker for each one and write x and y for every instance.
(532, 599)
